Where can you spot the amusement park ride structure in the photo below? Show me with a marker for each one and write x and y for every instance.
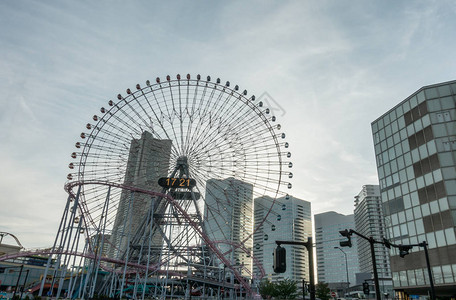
(156, 235)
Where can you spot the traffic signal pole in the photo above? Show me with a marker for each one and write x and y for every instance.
(347, 233)
(374, 265)
(431, 280)
(403, 251)
(309, 247)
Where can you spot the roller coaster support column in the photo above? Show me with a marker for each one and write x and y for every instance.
(17, 283)
(309, 247)
(25, 282)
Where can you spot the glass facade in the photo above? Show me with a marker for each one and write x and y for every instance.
(289, 220)
(232, 221)
(369, 222)
(415, 149)
(331, 264)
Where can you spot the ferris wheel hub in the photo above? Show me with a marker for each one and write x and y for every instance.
(182, 160)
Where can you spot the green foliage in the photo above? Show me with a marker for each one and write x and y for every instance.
(322, 291)
(267, 289)
(286, 289)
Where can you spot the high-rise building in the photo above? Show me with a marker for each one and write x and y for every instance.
(228, 219)
(369, 222)
(334, 263)
(415, 148)
(148, 160)
(289, 219)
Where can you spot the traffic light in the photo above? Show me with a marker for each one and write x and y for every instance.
(404, 250)
(279, 264)
(346, 234)
(366, 288)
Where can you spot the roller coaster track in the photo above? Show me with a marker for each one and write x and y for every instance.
(3, 234)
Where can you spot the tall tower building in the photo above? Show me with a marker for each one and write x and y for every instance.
(228, 216)
(148, 160)
(335, 264)
(369, 222)
(415, 148)
(289, 219)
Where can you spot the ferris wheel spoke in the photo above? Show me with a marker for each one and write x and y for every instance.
(206, 103)
(181, 121)
(198, 131)
(212, 117)
(102, 143)
(113, 135)
(160, 117)
(157, 119)
(132, 108)
(120, 108)
(189, 125)
(169, 117)
(227, 127)
(178, 137)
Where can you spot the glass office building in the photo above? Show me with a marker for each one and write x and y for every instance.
(369, 221)
(415, 148)
(336, 266)
(228, 216)
(289, 219)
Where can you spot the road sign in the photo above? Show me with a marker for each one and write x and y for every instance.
(333, 294)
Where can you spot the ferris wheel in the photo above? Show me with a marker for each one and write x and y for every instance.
(165, 177)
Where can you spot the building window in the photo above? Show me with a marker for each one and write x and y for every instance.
(420, 138)
(416, 113)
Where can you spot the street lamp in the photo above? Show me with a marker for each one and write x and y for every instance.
(346, 264)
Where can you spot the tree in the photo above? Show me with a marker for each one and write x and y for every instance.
(322, 291)
(267, 289)
(286, 289)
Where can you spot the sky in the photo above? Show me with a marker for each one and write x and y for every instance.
(327, 68)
